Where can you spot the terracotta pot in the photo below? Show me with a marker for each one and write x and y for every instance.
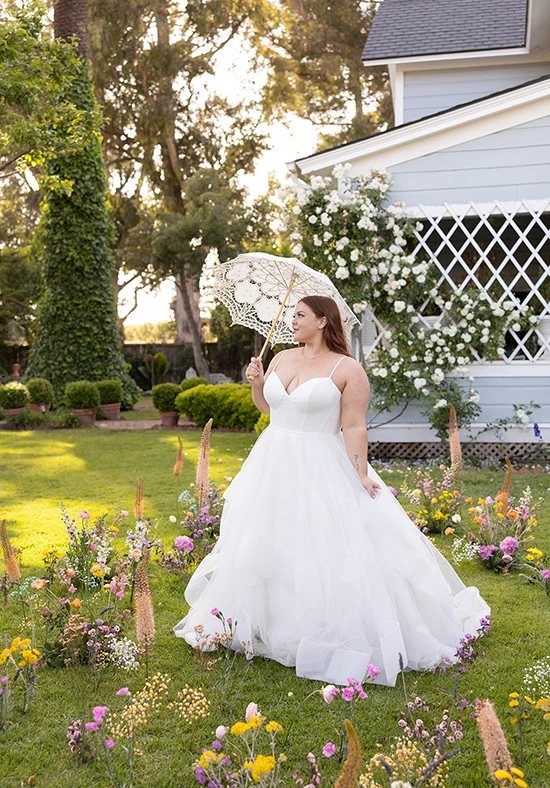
(111, 411)
(9, 413)
(85, 415)
(169, 419)
(36, 408)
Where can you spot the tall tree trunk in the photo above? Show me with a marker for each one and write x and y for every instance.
(202, 366)
(172, 183)
(71, 19)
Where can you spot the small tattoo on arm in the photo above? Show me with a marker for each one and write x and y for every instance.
(356, 457)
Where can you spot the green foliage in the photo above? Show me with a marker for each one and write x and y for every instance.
(164, 397)
(151, 332)
(154, 367)
(56, 418)
(40, 391)
(40, 115)
(190, 383)
(82, 394)
(228, 404)
(110, 391)
(78, 335)
(13, 395)
(20, 288)
(437, 407)
(262, 423)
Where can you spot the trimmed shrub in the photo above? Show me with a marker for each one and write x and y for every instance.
(82, 394)
(190, 383)
(262, 423)
(228, 405)
(164, 397)
(110, 391)
(13, 395)
(40, 391)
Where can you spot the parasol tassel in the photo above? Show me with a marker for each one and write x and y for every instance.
(504, 495)
(203, 464)
(454, 439)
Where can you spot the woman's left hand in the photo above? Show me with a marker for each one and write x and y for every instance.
(370, 486)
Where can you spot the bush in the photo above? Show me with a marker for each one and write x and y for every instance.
(131, 392)
(164, 396)
(40, 391)
(13, 395)
(110, 391)
(262, 423)
(56, 418)
(228, 405)
(190, 383)
(82, 394)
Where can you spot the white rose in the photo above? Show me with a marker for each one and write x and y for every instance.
(440, 403)
(296, 209)
(419, 383)
(341, 272)
(383, 372)
(327, 236)
(395, 367)
(296, 250)
(516, 327)
(394, 352)
(399, 306)
(354, 255)
(325, 219)
(312, 219)
(474, 397)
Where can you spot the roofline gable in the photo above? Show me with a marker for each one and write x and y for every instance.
(505, 109)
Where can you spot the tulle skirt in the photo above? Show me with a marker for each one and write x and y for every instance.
(320, 576)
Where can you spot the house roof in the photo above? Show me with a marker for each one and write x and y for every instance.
(429, 125)
(407, 28)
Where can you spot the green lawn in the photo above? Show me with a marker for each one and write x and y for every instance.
(143, 409)
(98, 470)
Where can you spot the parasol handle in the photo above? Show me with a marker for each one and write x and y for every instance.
(277, 316)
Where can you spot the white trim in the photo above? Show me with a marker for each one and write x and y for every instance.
(448, 56)
(479, 208)
(397, 81)
(420, 433)
(454, 127)
(502, 369)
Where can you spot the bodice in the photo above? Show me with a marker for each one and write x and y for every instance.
(314, 406)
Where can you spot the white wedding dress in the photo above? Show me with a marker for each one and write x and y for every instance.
(315, 572)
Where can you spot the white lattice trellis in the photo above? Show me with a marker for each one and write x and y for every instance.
(498, 248)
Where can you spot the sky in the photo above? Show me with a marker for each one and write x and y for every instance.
(298, 138)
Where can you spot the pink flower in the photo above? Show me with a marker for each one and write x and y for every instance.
(372, 670)
(184, 544)
(507, 559)
(123, 691)
(393, 491)
(72, 589)
(39, 584)
(442, 467)
(91, 726)
(509, 545)
(352, 682)
(214, 611)
(251, 711)
(329, 749)
(329, 693)
(109, 743)
(221, 732)
(348, 693)
(489, 501)
(99, 712)
(545, 574)
(84, 515)
(123, 513)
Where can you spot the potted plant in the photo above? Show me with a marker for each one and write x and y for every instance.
(164, 398)
(83, 399)
(14, 398)
(41, 394)
(110, 396)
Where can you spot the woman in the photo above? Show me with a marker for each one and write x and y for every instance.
(317, 562)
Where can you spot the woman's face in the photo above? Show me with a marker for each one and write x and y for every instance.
(305, 323)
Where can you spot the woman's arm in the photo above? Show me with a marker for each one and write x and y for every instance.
(355, 403)
(256, 368)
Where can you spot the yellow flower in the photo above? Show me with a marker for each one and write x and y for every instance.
(282, 758)
(4, 656)
(500, 516)
(529, 700)
(513, 720)
(113, 529)
(96, 570)
(255, 722)
(273, 727)
(536, 552)
(16, 642)
(263, 764)
(500, 774)
(514, 695)
(208, 757)
(416, 493)
(513, 703)
(21, 664)
(520, 783)
(517, 772)
(239, 728)
(525, 715)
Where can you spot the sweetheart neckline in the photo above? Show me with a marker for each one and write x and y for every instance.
(322, 377)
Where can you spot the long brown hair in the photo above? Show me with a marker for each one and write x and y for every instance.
(333, 332)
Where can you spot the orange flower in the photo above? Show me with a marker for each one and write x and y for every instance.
(512, 514)
(433, 501)
(478, 521)
(39, 584)
(76, 603)
(469, 500)
(472, 510)
(449, 531)
(113, 529)
(455, 493)
(70, 573)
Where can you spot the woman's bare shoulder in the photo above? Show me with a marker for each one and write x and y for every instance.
(353, 372)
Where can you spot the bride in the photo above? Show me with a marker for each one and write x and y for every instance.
(317, 563)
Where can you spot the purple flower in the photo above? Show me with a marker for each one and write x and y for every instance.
(372, 670)
(184, 544)
(215, 611)
(200, 775)
(123, 691)
(91, 726)
(536, 430)
(486, 551)
(216, 745)
(348, 693)
(109, 743)
(545, 574)
(329, 749)
(99, 712)
(393, 491)
(509, 545)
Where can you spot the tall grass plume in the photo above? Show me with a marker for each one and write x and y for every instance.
(10, 556)
(203, 464)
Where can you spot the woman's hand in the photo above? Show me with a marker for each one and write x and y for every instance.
(255, 371)
(370, 486)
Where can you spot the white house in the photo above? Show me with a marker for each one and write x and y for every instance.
(470, 159)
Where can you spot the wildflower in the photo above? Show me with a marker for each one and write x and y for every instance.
(238, 728)
(172, 519)
(184, 544)
(372, 670)
(348, 693)
(449, 531)
(123, 691)
(39, 584)
(123, 513)
(263, 764)
(221, 732)
(509, 545)
(109, 743)
(76, 603)
(329, 749)
(329, 693)
(273, 727)
(512, 514)
(84, 515)
(91, 726)
(251, 711)
(214, 611)
(99, 713)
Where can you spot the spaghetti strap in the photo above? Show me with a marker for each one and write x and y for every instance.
(277, 362)
(338, 362)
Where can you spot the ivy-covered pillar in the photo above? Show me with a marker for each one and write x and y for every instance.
(77, 333)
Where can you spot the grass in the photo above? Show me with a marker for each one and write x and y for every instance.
(98, 471)
(143, 409)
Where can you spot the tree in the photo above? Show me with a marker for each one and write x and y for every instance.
(313, 53)
(38, 120)
(77, 336)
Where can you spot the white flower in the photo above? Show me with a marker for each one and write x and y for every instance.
(440, 403)
(329, 693)
(327, 236)
(533, 319)
(354, 255)
(325, 219)
(341, 243)
(296, 250)
(382, 268)
(395, 367)
(251, 711)
(317, 241)
(399, 306)
(360, 307)
(296, 209)
(456, 518)
(221, 732)
(438, 376)
(466, 338)
(516, 327)
(361, 269)
(474, 397)
(419, 383)
(341, 272)
(382, 372)
(172, 518)
(312, 219)
(394, 352)
(418, 226)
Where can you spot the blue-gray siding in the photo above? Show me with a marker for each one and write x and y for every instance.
(427, 92)
(509, 165)
(497, 398)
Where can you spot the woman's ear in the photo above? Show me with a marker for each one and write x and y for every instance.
(323, 322)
